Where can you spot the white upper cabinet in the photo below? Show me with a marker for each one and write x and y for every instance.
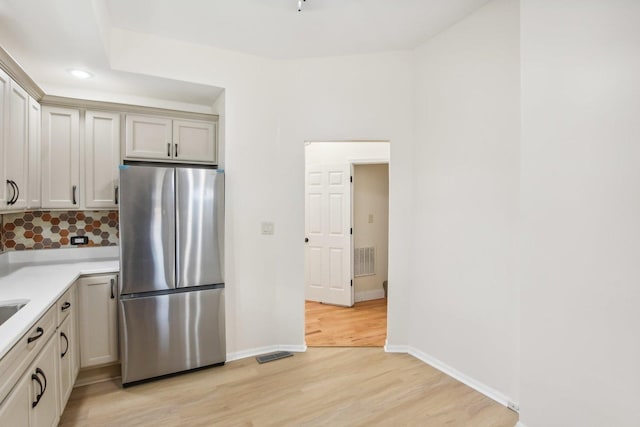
(60, 158)
(5, 188)
(148, 138)
(158, 138)
(194, 141)
(35, 130)
(101, 159)
(16, 147)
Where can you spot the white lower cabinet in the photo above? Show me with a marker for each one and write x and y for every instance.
(38, 373)
(44, 387)
(67, 336)
(98, 311)
(15, 409)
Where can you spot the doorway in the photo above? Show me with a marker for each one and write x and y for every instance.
(346, 249)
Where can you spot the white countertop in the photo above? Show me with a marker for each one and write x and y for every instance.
(42, 282)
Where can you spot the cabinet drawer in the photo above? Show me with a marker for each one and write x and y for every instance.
(24, 351)
(65, 305)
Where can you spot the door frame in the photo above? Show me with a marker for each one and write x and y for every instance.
(352, 161)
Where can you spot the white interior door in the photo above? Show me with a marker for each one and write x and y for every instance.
(328, 230)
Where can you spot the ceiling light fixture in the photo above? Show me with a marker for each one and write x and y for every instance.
(300, 5)
(80, 74)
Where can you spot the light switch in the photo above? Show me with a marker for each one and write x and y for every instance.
(267, 228)
(370, 218)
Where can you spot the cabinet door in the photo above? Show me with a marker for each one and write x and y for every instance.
(194, 141)
(66, 355)
(43, 375)
(35, 129)
(16, 147)
(60, 158)
(148, 138)
(14, 410)
(76, 334)
(5, 188)
(98, 320)
(102, 158)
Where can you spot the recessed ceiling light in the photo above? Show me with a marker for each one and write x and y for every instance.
(80, 74)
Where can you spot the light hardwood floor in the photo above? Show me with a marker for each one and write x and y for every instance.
(363, 325)
(321, 387)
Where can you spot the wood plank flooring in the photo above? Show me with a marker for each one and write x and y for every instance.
(321, 387)
(363, 325)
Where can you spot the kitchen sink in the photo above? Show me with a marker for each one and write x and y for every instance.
(9, 308)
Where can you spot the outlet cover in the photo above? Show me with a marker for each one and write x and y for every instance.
(267, 228)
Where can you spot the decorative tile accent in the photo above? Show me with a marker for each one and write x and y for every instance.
(53, 229)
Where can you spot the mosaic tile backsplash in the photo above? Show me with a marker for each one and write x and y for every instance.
(50, 230)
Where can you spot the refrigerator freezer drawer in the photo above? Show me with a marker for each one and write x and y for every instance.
(170, 333)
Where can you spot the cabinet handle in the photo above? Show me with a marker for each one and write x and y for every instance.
(35, 378)
(176, 153)
(39, 333)
(115, 196)
(168, 149)
(16, 192)
(73, 192)
(112, 283)
(44, 377)
(9, 200)
(62, 334)
(65, 306)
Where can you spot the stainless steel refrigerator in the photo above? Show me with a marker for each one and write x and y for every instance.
(171, 306)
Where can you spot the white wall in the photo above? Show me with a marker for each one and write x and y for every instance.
(320, 153)
(466, 171)
(581, 213)
(371, 225)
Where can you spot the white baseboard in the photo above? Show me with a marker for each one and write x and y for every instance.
(390, 348)
(465, 379)
(293, 348)
(262, 350)
(369, 295)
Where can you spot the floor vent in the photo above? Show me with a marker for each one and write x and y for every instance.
(364, 261)
(273, 356)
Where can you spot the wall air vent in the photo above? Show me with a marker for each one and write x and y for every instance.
(364, 261)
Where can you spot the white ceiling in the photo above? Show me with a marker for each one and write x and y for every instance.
(47, 37)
